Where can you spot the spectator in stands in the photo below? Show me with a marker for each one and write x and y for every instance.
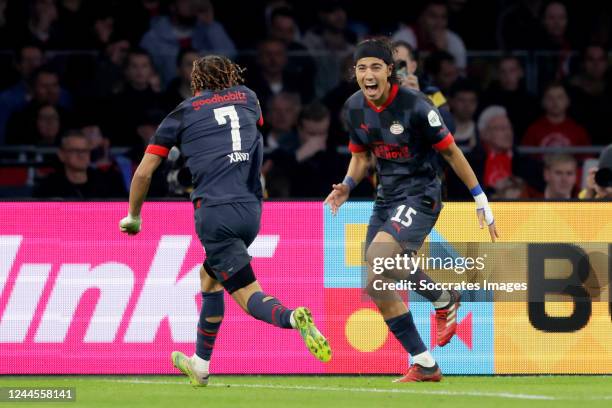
(75, 178)
(191, 24)
(555, 128)
(271, 76)
(284, 27)
(179, 88)
(281, 119)
(431, 33)
(146, 126)
(28, 59)
(115, 168)
(41, 26)
(494, 159)
(512, 188)
(270, 6)
(560, 174)
(554, 24)
(592, 94)
(406, 64)
(498, 143)
(103, 30)
(312, 168)
(45, 91)
(554, 38)
(140, 93)
(599, 181)
(509, 91)
(137, 16)
(110, 68)
(335, 99)
(147, 122)
(463, 101)
(329, 42)
(519, 24)
(440, 66)
(47, 128)
(74, 21)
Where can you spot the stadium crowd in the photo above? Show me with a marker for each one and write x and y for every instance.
(87, 82)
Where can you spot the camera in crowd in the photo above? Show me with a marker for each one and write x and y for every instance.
(603, 176)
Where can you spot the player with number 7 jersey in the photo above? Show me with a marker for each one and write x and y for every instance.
(217, 131)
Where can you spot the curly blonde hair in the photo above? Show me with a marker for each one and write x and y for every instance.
(215, 73)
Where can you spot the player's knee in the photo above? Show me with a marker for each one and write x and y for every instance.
(379, 251)
(241, 279)
(207, 273)
(371, 255)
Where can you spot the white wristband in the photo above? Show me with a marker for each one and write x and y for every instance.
(481, 200)
(482, 204)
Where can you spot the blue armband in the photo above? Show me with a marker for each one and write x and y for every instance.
(348, 180)
(476, 190)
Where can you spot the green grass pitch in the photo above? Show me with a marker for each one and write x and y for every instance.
(311, 391)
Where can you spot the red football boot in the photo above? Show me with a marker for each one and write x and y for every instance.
(418, 373)
(446, 319)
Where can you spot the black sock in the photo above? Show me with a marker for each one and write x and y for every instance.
(405, 331)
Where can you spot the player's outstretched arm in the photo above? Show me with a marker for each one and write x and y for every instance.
(454, 156)
(357, 170)
(138, 192)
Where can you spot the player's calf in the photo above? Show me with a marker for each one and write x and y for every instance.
(270, 310)
(211, 316)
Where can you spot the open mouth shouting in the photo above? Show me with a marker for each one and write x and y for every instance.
(372, 90)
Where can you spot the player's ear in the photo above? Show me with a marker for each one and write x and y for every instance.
(390, 69)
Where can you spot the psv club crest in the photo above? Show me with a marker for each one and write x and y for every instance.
(396, 128)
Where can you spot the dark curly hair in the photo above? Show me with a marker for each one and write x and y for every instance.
(215, 73)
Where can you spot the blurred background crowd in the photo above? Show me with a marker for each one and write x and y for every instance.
(525, 86)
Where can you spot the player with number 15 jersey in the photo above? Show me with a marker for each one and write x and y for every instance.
(217, 131)
(406, 134)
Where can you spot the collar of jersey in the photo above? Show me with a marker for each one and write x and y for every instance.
(390, 98)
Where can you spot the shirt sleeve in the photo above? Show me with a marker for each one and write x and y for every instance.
(167, 134)
(428, 120)
(356, 145)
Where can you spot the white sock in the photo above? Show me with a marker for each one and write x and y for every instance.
(424, 359)
(292, 320)
(199, 364)
(443, 300)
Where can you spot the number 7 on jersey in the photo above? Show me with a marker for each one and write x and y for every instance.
(230, 111)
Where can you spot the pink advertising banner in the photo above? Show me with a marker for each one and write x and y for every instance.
(77, 296)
